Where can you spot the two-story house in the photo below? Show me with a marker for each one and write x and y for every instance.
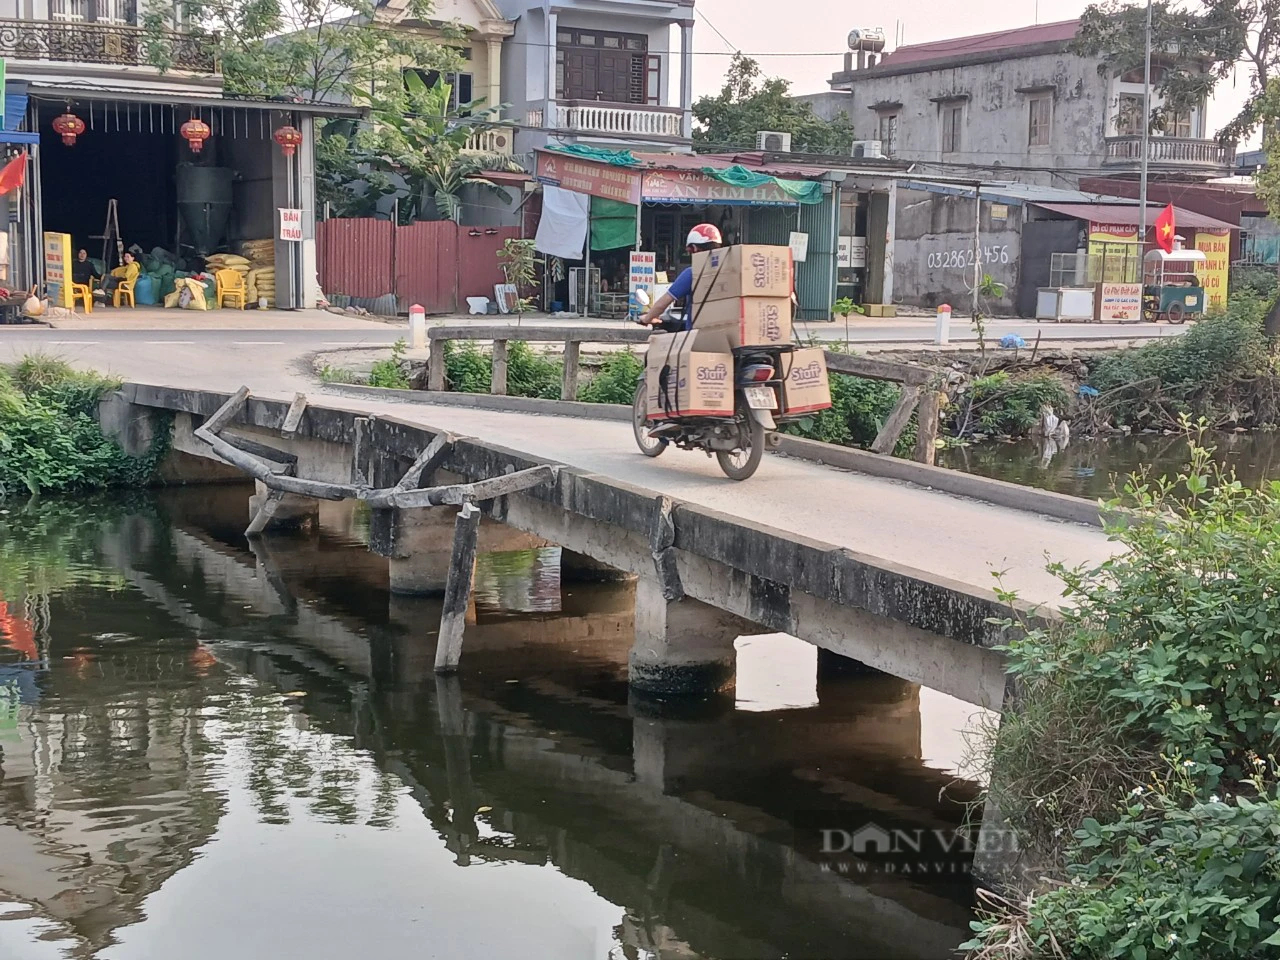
(1019, 101)
(603, 72)
(131, 142)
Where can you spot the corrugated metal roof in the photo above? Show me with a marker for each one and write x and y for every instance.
(1130, 215)
(1008, 191)
(980, 43)
(15, 112)
(722, 161)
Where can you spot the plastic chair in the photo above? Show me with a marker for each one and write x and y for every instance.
(83, 292)
(124, 289)
(230, 284)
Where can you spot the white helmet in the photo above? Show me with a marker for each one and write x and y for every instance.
(702, 234)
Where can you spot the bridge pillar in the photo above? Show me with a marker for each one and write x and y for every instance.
(295, 510)
(420, 551)
(682, 646)
(579, 568)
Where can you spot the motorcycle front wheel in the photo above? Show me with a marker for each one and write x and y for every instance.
(649, 446)
(740, 464)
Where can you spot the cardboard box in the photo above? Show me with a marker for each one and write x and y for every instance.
(747, 321)
(808, 387)
(747, 270)
(685, 379)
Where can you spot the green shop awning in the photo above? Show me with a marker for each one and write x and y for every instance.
(803, 191)
(613, 224)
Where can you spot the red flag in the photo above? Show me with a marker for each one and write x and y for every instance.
(1165, 229)
(14, 172)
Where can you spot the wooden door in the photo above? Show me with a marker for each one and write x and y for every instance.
(614, 77)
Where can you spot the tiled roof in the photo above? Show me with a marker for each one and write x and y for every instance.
(981, 43)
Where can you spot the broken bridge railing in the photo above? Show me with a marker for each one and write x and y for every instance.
(277, 471)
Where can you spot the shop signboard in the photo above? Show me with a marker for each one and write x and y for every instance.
(1119, 302)
(589, 177)
(290, 224)
(643, 276)
(1215, 271)
(694, 186)
(57, 268)
(851, 252)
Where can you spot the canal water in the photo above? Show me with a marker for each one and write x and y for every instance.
(210, 750)
(1099, 467)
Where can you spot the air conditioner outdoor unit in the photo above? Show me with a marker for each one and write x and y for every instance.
(774, 141)
(867, 149)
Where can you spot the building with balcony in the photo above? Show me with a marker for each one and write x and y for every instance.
(1018, 100)
(602, 72)
(131, 142)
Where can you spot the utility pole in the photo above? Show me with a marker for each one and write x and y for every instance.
(1146, 147)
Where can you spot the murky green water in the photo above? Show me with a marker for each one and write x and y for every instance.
(209, 751)
(1095, 468)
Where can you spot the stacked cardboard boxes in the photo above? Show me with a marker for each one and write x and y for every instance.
(744, 292)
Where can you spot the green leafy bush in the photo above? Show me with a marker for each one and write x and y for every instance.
(390, 373)
(616, 381)
(1004, 404)
(858, 410)
(49, 437)
(529, 374)
(467, 370)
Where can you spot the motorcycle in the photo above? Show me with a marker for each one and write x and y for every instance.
(738, 441)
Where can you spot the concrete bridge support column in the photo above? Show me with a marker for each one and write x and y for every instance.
(682, 646)
(294, 510)
(422, 546)
(579, 568)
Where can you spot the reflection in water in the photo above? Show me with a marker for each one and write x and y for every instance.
(210, 751)
(1096, 468)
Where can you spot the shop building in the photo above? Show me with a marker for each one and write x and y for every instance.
(190, 171)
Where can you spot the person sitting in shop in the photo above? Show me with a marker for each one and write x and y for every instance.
(82, 268)
(127, 271)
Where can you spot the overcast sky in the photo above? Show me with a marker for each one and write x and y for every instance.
(806, 26)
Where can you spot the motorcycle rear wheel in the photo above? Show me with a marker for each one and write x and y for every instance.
(741, 464)
(649, 446)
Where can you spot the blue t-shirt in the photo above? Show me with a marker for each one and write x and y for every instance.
(682, 290)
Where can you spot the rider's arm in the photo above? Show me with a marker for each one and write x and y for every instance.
(655, 312)
(680, 290)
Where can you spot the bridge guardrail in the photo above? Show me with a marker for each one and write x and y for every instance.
(918, 391)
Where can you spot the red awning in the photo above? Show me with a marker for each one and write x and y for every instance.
(1129, 215)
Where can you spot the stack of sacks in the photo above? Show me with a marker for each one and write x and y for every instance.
(262, 271)
(227, 261)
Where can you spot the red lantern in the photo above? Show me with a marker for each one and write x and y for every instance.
(289, 138)
(196, 133)
(69, 126)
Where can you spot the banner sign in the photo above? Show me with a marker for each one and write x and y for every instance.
(290, 224)
(694, 186)
(586, 176)
(1119, 302)
(1215, 272)
(57, 268)
(643, 276)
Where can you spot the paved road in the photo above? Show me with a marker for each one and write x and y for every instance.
(923, 529)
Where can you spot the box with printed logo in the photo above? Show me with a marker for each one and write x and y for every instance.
(683, 378)
(747, 270)
(807, 387)
(747, 321)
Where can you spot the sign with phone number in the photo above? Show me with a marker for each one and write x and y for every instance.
(959, 259)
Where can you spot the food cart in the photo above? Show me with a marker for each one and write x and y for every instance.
(1170, 288)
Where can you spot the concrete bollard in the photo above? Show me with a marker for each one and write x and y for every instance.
(417, 327)
(942, 330)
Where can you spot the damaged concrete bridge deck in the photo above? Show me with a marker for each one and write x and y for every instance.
(893, 575)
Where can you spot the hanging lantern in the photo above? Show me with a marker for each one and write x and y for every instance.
(69, 126)
(196, 132)
(289, 138)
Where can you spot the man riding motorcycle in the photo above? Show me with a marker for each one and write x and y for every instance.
(705, 236)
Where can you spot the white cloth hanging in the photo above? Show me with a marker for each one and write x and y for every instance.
(562, 231)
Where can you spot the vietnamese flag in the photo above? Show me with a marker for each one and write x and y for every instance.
(14, 172)
(1165, 229)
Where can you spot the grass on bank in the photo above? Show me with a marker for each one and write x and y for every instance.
(50, 440)
(1137, 761)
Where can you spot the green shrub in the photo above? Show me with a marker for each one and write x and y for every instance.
(1000, 403)
(1255, 279)
(531, 374)
(49, 437)
(859, 408)
(390, 373)
(617, 380)
(467, 370)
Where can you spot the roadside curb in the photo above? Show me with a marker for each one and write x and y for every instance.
(485, 401)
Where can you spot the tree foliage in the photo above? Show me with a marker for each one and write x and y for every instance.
(313, 49)
(1194, 48)
(749, 102)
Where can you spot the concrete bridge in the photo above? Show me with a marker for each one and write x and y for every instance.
(893, 575)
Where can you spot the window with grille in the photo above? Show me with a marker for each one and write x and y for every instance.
(952, 125)
(1040, 122)
(69, 10)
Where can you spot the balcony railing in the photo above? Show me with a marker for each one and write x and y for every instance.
(87, 42)
(496, 140)
(618, 119)
(1170, 152)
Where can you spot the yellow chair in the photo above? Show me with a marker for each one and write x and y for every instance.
(124, 290)
(230, 284)
(83, 292)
